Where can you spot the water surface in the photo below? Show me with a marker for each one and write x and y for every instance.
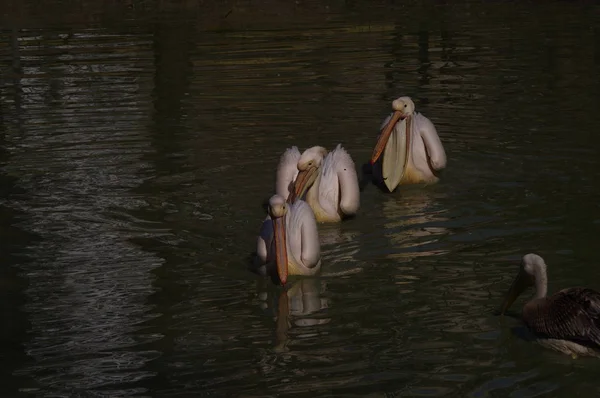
(137, 145)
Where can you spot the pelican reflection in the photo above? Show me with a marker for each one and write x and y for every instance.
(295, 307)
(414, 225)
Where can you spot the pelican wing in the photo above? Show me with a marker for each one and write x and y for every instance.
(264, 243)
(571, 314)
(287, 170)
(339, 182)
(304, 236)
(433, 144)
(264, 240)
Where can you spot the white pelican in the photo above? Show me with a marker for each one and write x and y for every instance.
(289, 240)
(567, 321)
(409, 147)
(329, 181)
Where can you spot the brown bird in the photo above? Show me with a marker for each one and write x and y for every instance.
(567, 321)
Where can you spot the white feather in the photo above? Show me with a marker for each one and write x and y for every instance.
(287, 170)
(336, 163)
(303, 236)
(264, 246)
(431, 141)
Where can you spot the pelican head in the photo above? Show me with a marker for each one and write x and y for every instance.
(277, 210)
(308, 167)
(532, 271)
(403, 108)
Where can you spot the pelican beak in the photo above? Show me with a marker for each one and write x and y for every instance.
(303, 182)
(521, 282)
(281, 258)
(385, 136)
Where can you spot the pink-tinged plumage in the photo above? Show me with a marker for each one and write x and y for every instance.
(408, 148)
(327, 181)
(301, 237)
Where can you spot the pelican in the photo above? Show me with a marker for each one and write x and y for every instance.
(567, 321)
(409, 147)
(289, 240)
(328, 180)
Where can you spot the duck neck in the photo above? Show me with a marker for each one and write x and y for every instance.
(541, 285)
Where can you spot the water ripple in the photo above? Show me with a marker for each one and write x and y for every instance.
(75, 164)
(136, 153)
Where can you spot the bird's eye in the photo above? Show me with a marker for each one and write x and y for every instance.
(405, 105)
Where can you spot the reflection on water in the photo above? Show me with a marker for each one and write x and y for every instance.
(414, 224)
(340, 248)
(136, 148)
(76, 164)
(296, 307)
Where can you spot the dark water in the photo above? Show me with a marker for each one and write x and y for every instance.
(139, 141)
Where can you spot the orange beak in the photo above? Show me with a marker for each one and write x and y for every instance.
(303, 182)
(385, 136)
(281, 258)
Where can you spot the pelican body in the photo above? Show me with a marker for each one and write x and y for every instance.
(289, 240)
(408, 150)
(327, 181)
(567, 321)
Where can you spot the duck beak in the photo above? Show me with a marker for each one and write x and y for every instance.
(281, 258)
(385, 136)
(303, 182)
(521, 282)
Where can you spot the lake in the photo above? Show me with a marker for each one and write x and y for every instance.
(139, 140)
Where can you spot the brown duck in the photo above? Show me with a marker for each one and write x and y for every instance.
(567, 321)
